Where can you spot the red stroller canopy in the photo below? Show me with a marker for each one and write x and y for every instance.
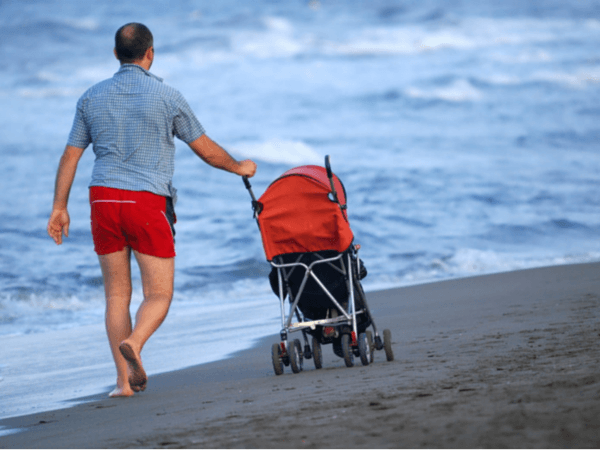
(298, 216)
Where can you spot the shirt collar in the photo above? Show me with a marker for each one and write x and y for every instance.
(133, 67)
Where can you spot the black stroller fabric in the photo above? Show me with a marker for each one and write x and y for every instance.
(314, 302)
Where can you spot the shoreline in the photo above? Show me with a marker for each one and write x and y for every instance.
(500, 360)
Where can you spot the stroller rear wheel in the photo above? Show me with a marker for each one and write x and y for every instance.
(276, 357)
(317, 353)
(387, 345)
(347, 352)
(296, 356)
(371, 345)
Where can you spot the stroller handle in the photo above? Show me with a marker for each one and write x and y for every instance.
(330, 176)
(328, 167)
(256, 205)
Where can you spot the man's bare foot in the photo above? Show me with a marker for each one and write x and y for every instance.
(122, 392)
(135, 387)
(138, 388)
(137, 375)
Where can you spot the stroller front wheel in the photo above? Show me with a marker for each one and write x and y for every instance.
(296, 356)
(347, 350)
(276, 357)
(364, 348)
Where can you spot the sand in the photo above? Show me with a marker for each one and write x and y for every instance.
(504, 360)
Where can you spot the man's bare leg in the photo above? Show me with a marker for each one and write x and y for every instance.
(157, 282)
(116, 271)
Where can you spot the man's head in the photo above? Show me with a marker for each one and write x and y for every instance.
(132, 42)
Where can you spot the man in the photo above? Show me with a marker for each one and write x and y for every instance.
(131, 120)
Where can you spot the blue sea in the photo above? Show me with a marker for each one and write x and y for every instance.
(466, 134)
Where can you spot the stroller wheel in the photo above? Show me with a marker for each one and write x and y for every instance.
(276, 357)
(296, 356)
(364, 349)
(387, 344)
(317, 353)
(371, 345)
(347, 350)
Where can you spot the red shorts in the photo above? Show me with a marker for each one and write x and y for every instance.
(140, 220)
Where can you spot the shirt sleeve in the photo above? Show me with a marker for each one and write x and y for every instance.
(186, 126)
(80, 136)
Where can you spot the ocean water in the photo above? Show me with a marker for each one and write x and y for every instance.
(466, 134)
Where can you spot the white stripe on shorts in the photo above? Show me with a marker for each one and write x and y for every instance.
(113, 201)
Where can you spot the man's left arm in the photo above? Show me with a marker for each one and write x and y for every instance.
(213, 154)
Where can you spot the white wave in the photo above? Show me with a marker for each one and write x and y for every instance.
(523, 57)
(36, 302)
(40, 313)
(278, 24)
(459, 91)
(86, 75)
(279, 40)
(471, 33)
(46, 75)
(246, 321)
(279, 151)
(6, 431)
(399, 41)
(469, 262)
(69, 85)
(593, 24)
(579, 79)
(86, 24)
(503, 79)
(377, 41)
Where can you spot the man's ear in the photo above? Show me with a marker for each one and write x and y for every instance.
(115, 52)
(149, 57)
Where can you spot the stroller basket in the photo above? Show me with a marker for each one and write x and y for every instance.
(306, 235)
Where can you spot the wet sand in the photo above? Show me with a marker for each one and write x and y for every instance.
(505, 360)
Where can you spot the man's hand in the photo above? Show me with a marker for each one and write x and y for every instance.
(58, 224)
(247, 168)
(59, 221)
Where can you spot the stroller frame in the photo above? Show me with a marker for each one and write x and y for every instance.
(348, 317)
(340, 325)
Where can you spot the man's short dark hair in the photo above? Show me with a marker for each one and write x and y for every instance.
(131, 42)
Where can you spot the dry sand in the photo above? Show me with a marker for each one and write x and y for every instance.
(506, 360)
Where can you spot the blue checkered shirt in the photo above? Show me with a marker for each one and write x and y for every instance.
(132, 120)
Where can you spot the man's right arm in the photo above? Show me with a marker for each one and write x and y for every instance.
(213, 154)
(58, 224)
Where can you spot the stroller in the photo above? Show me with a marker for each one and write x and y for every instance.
(307, 240)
